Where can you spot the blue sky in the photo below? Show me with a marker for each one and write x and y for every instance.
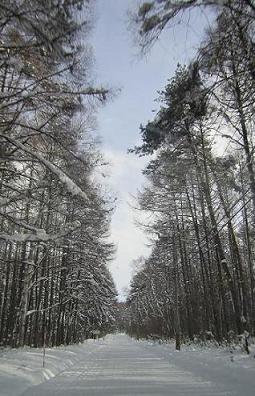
(117, 65)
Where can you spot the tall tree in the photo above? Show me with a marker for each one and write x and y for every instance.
(53, 217)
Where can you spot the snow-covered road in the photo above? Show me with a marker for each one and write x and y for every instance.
(124, 367)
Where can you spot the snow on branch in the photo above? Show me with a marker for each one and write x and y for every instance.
(38, 234)
(71, 186)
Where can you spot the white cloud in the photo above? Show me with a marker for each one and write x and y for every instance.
(125, 177)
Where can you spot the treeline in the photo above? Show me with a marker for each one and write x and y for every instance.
(199, 278)
(55, 286)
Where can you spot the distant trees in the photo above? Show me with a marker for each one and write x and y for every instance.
(55, 286)
(199, 278)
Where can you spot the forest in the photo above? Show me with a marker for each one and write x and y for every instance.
(199, 197)
(199, 280)
(55, 285)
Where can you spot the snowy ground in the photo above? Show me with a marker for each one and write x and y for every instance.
(124, 367)
(22, 368)
(231, 370)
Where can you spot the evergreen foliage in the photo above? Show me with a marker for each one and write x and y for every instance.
(199, 278)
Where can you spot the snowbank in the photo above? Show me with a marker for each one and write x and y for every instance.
(23, 368)
(233, 370)
(229, 367)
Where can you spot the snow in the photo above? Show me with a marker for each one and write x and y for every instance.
(119, 366)
(23, 368)
(230, 368)
(72, 187)
(38, 235)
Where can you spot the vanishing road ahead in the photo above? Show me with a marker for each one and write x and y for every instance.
(120, 366)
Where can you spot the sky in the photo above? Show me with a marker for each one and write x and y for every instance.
(119, 66)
